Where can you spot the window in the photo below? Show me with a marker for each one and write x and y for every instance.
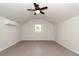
(37, 27)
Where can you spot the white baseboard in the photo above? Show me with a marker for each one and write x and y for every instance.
(73, 50)
(37, 40)
(45, 39)
(10, 45)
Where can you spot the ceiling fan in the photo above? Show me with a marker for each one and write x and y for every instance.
(37, 9)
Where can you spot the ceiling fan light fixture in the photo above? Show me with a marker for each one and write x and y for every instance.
(37, 11)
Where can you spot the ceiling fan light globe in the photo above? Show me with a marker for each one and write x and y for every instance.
(37, 11)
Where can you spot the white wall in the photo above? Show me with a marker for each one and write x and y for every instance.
(28, 32)
(9, 35)
(67, 33)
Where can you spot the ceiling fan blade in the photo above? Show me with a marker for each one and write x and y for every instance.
(31, 9)
(44, 8)
(35, 4)
(34, 13)
(42, 12)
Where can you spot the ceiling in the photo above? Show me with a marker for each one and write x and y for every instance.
(55, 13)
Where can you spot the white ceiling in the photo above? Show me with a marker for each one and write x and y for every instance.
(55, 13)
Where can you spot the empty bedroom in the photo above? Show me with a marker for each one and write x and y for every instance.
(39, 29)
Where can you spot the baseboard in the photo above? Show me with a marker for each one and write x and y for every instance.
(73, 50)
(37, 40)
(10, 45)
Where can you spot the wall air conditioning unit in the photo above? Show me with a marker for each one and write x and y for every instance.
(10, 23)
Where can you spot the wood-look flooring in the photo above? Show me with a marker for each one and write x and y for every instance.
(37, 48)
